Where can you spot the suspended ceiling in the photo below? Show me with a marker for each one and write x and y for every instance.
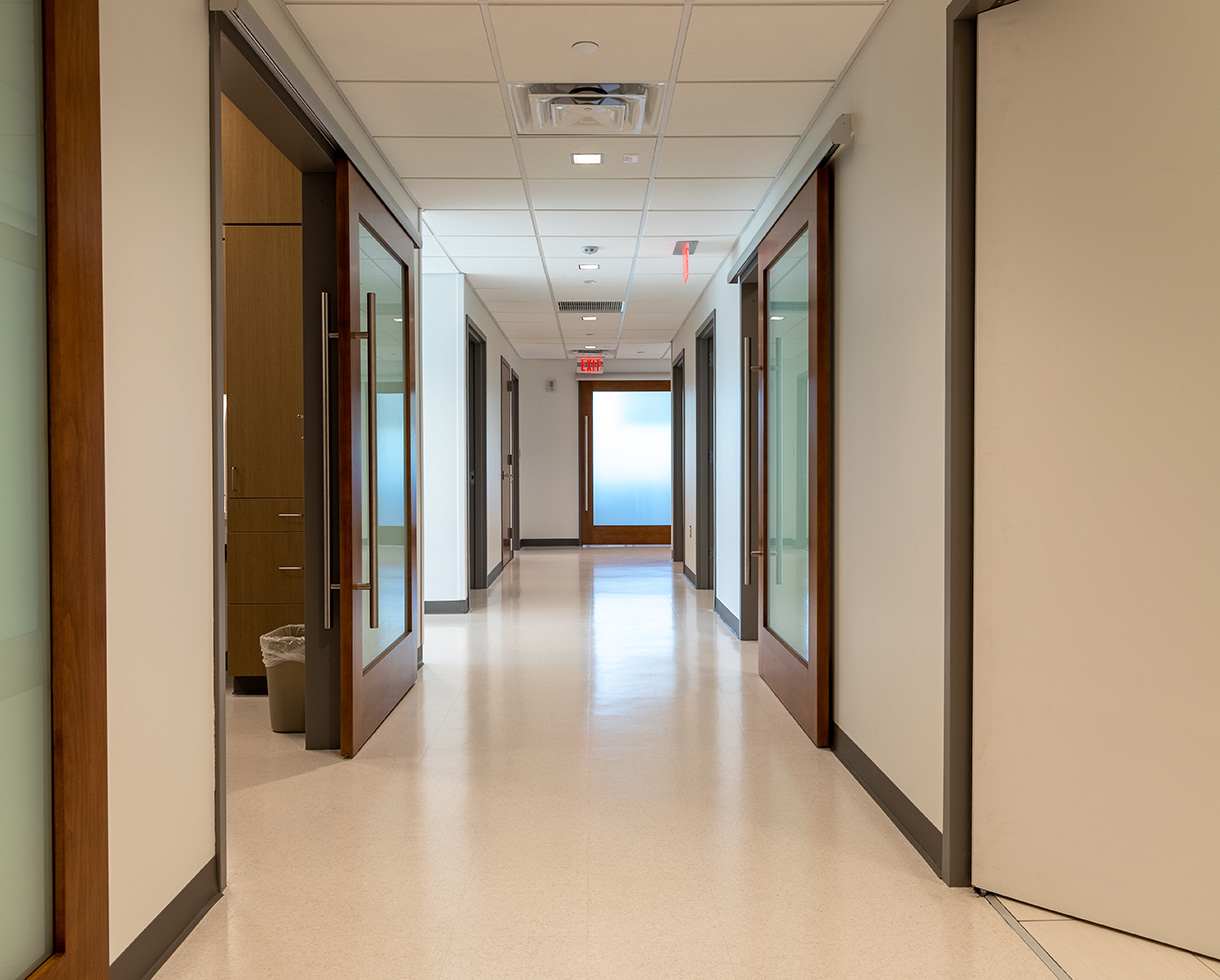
(431, 81)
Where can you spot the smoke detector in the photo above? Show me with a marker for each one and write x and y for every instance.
(594, 108)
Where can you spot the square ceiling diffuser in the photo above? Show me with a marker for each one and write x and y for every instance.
(591, 108)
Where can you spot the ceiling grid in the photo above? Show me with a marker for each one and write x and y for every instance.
(436, 81)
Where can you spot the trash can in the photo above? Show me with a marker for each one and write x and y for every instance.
(284, 657)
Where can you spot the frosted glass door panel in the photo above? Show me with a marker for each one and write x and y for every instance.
(631, 458)
(383, 275)
(25, 655)
(788, 447)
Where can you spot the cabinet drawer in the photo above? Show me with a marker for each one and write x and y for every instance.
(246, 624)
(266, 513)
(266, 566)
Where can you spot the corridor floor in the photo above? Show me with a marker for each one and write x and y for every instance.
(589, 781)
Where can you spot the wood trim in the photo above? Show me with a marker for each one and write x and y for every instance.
(76, 465)
(804, 689)
(678, 476)
(591, 533)
(369, 694)
(705, 451)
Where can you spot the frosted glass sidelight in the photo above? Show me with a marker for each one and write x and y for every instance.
(26, 875)
(631, 458)
(788, 447)
(383, 275)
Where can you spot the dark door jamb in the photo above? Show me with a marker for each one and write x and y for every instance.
(476, 456)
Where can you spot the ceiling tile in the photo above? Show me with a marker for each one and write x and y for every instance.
(738, 42)
(724, 156)
(454, 157)
(516, 246)
(551, 156)
(539, 295)
(503, 279)
(669, 320)
(695, 224)
(660, 303)
(744, 108)
(589, 223)
(446, 223)
(617, 248)
(467, 193)
(540, 351)
(642, 352)
(671, 265)
(428, 108)
(398, 42)
(727, 193)
(480, 266)
(549, 194)
(535, 42)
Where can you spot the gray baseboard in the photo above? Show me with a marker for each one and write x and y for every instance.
(907, 817)
(550, 542)
(690, 575)
(494, 574)
(151, 948)
(443, 606)
(731, 621)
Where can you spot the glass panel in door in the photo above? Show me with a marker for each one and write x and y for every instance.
(26, 870)
(787, 441)
(631, 458)
(384, 529)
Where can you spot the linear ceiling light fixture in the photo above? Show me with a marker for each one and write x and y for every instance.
(586, 159)
(588, 266)
(588, 318)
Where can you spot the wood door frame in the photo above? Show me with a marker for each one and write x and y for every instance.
(476, 458)
(77, 489)
(804, 689)
(364, 703)
(506, 461)
(677, 388)
(705, 454)
(590, 533)
(516, 468)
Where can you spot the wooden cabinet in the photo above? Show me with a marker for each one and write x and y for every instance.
(264, 390)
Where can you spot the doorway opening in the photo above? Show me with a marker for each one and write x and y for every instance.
(705, 455)
(678, 391)
(476, 456)
(625, 468)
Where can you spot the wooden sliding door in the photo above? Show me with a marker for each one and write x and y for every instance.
(377, 455)
(625, 462)
(794, 398)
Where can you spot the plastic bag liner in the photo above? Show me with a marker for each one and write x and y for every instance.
(283, 645)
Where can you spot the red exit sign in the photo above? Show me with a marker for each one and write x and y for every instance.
(590, 365)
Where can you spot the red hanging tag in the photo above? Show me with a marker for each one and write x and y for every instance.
(685, 262)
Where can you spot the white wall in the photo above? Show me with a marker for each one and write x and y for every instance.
(157, 285)
(889, 255)
(1097, 549)
(550, 441)
(724, 299)
(443, 422)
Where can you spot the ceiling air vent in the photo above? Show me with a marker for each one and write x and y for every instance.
(592, 108)
(566, 306)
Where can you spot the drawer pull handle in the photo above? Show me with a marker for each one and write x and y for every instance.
(292, 515)
(292, 568)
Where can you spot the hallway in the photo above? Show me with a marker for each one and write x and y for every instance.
(589, 781)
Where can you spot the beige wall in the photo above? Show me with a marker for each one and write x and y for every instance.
(157, 288)
(1097, 658)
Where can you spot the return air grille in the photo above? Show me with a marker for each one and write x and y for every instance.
(566, 306)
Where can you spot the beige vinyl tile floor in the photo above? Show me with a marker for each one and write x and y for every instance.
(1085, 951)
(588, 781)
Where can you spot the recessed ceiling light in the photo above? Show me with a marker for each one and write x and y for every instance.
(588, 266)
(584, 47)
(586, 159)
(588, 318)
(777, 318)
(590, 346)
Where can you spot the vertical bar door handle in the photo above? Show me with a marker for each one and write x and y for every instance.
(374, 617)
(327, 584)
(589, 456)
(748, 484)
(232, 479)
